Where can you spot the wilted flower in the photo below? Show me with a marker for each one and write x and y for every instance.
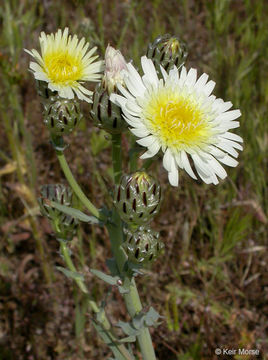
(114, 64)
(178, 115)
(64, 64)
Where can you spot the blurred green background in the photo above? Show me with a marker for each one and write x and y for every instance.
(211, 284)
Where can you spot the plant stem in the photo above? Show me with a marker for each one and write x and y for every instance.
(132, 299)
(117, 157)
(74, 185)
(104, 329)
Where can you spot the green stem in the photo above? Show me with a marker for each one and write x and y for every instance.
(104, 329)
(132, 299)
(74, 185)
(117, 157)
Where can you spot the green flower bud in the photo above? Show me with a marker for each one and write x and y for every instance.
(65, 226)
(105, 114)
(142, 246)
(61, 116)
(167, 51)
(137, 198)
(57, 193)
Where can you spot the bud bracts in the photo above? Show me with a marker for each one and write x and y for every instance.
(105, 114)
(61, 116)
(57, 193)
(137, 198)
(65, 226)
(167, 51)
(142, 246)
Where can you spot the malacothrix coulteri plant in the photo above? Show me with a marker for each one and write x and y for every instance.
(170, 111)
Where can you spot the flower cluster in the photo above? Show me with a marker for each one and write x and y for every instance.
(171, 112)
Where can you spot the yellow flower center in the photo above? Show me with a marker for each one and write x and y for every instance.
(176, 120)
(63, 67)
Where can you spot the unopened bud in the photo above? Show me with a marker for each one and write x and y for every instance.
(105, 114)
(61, 116)
(137, 198)
(114, 65)
(142, 246)
(167, 51)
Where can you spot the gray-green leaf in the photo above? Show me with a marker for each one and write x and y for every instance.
(70, 274)
(112, 280)
(77, 214)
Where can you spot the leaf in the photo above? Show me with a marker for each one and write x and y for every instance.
(128, 339)
(70, 274)
(151, 317)
(138, 320)
(112, 280)
(127, 328)
(77, 214)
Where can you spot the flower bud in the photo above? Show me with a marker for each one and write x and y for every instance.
(114, 64)
(143, 245)
(137, 198)
(167, 51)
(57, 193)
(105, 114)
(61, 116)
(65, 226)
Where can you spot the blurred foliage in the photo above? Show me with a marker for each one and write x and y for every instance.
(211, 284)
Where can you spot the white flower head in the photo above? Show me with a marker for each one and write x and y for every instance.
(178, 115)
(115, 65)
(65, 64)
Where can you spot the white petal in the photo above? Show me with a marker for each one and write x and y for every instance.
(209, 87)
(124, 92)
(167, 160)
(164, 73)
(173, 177)
(186, 164)
(231, 136)
(118, 100)
(191, 77)
(226, 147)
(140, 132)
(218, 169)
(147, 141)
(134, 89)
(201, 165)
(133, 73)
(233, 144)
(152, 151)
(199, 85)
(183, 74)
(228, 160)
(132, 107)
(229, 115)
(149, 70)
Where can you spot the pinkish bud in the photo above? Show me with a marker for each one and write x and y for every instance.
(114, 64)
